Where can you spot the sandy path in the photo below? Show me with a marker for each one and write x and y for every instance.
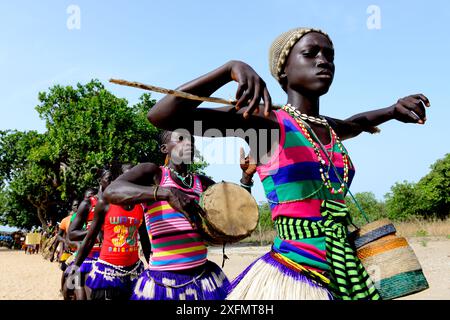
(31, 277)
(25, 276)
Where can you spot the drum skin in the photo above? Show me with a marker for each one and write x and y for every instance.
(231, 213)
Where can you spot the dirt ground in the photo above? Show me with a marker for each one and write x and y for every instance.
(24, 276)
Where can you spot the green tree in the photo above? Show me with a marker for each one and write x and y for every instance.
(15, 146)
(18, 167)
(373, 208)
(429, 198)
(402, 203)
(265, 217)
(87, 127)
(434, 190)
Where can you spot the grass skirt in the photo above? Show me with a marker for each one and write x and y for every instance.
(207, 282)
(108, 281)
(268, 279)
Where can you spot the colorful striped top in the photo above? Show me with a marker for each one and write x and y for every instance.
(295, 191)
(291, 178)
(176, 245)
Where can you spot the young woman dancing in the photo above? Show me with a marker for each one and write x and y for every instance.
(311, 257)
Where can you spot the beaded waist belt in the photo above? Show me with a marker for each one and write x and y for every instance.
(313, 274)
(119, 271)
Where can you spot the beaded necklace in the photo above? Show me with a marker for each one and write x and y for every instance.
(183, 179)
(297, 114)
(324, 171)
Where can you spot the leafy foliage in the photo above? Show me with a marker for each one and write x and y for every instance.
(90, 127)
(429, 198)
(265, 217)
(87, 127)
(403, 201)
(434, 190)
(372, 208)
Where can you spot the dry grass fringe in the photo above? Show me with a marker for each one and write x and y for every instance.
(422, 228)
(408, 229)
(266, 282)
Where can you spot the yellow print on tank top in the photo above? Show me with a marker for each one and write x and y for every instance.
(122, 232)
(125, 235)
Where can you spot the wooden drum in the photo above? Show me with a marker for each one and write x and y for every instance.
(231, 213)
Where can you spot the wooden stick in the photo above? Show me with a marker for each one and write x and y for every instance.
(185, 95)
(176, 93)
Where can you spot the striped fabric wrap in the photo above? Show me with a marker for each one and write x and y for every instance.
(176, 244)
(349, 279)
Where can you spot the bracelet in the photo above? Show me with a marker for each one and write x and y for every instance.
(247, 185)
(154, 193)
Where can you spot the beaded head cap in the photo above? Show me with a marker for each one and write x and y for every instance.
(282, 45)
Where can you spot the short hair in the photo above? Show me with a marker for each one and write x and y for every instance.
(89, 191)
(164, 136)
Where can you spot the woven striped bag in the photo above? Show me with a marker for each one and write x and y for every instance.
(389, 260)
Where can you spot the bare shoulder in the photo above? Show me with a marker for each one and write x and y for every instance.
(141, 173)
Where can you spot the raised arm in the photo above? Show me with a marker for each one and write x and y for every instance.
(141, 185)
(137, 185)
(172, 113)
(410, 109)
(89, 240)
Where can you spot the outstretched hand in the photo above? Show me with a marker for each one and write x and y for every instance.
(251, 89)
(411, 109)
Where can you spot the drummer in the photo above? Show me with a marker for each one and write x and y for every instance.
(178, 268)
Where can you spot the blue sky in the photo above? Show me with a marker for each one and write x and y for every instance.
(167, 43)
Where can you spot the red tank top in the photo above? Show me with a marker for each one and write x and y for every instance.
(120, 237)
(90, 217)
(93, 200)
